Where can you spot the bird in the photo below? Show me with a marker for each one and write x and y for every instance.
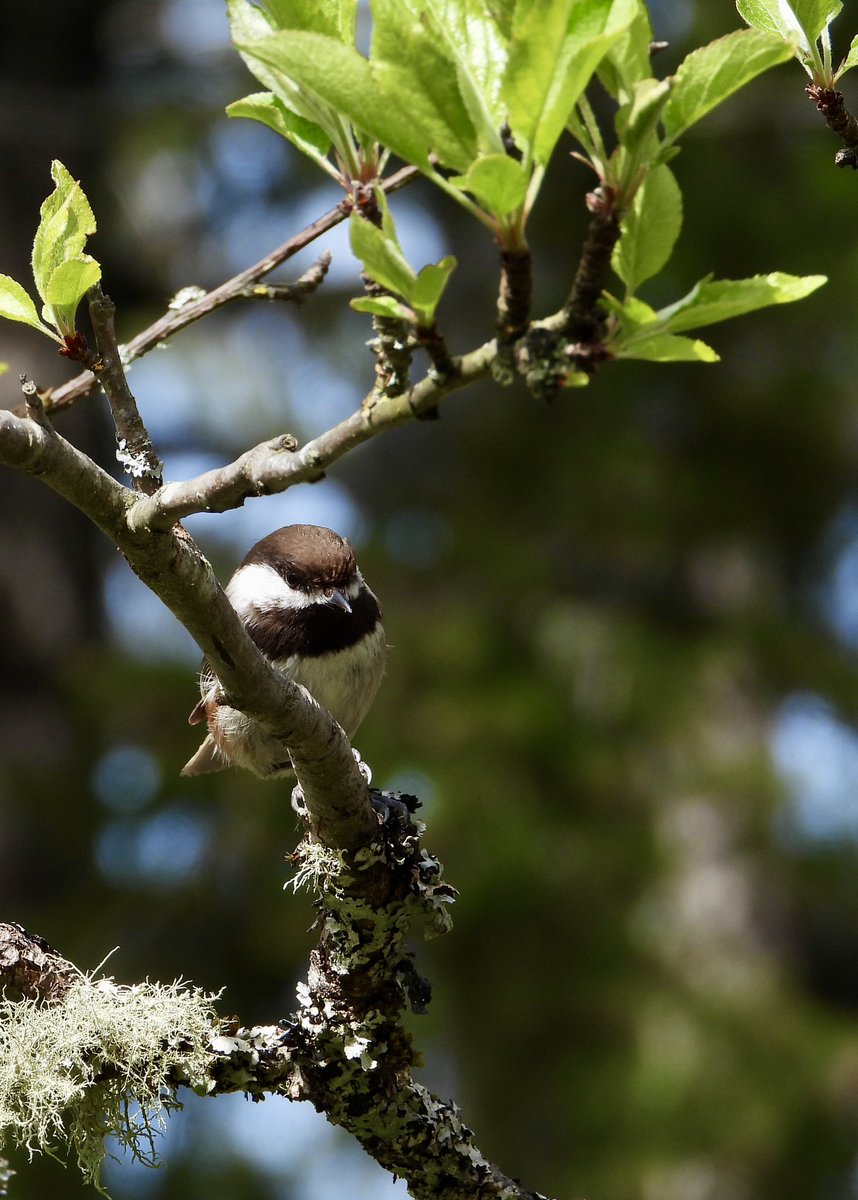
(302, 598)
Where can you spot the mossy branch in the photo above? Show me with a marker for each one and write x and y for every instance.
(72, 1058)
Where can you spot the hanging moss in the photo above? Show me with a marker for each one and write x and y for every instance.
(106, 1060)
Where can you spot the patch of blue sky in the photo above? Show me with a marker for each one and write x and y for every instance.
(288, 1143)
(816, 755)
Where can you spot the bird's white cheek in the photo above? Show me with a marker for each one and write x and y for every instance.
(259, 586)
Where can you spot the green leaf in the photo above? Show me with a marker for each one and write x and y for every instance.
(628, 60)
(556, 47)
(308, 137)
(503, 12)
(666, 347)
(650, 229)
(248, 22)
(326, 75)
(66, 222)
(4, 367)
(850, 61)
(382, 257)
(637, 119)
(383, 260)
(427, 291)
(436, 118)
(333, 17)
(805, 24)
(633, 312)
(16, 305)
(409, 61)
(773, 16)
(815, 15)
(497, 182)
(716, 300)
(464, 36)
(66, 288)
(381, 306)
(712, 73)
(71, 280)
(799, 21)
(249, 27)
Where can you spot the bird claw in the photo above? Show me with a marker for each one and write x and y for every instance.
(363, 767)
(299, 806)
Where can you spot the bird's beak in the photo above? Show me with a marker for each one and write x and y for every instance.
(338, 600)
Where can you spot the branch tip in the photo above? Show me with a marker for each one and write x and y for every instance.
(34, 402)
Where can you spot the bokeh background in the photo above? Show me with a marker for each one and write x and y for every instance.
(623, 671)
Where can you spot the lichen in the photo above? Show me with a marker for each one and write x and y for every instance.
(315, 864)
(105, 1060)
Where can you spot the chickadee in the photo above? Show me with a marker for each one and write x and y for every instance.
(305, 604)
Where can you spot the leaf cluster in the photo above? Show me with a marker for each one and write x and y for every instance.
(477, 95)
(62, 272)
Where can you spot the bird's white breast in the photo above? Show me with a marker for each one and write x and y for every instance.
(344, 682)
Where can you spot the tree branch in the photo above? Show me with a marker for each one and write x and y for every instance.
(583, 315)
(839, 120)
(304, 285)
(516, 285)
(345, 1049)
(276, 465)
(175, 319)
(134, 448)
(171, 565)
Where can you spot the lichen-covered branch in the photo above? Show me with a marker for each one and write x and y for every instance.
(345, 1049)
(30, 968)
(839, 120)
(392, 346)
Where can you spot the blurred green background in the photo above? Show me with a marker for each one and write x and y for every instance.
(623, 627)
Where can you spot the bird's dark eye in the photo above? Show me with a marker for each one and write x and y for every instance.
(292, 579)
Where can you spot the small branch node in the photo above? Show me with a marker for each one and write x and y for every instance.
(839, 120)
(444, 366)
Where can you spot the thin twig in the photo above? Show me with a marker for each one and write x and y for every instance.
(304, 285)
(175, 319)
(134, 448)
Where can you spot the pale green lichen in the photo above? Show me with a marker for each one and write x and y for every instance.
(315, 865)
(103, 1061)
